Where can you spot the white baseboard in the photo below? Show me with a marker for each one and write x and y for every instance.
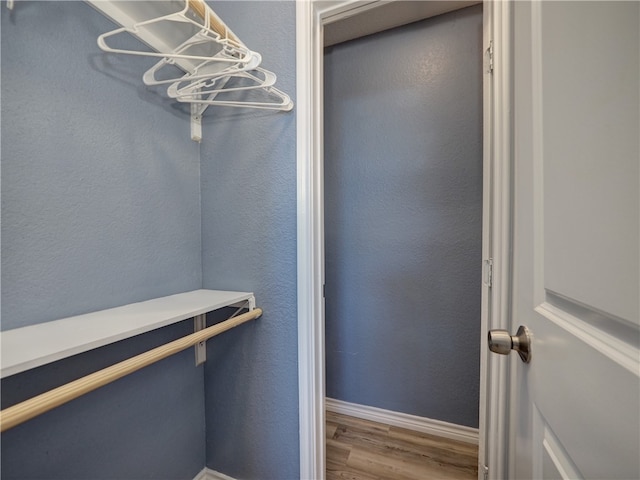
(208, 474)
(403, 420)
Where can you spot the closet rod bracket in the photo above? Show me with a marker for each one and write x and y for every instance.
(196, 122)
(200, 323)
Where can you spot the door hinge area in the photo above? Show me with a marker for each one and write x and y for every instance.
(489, 54)
(487, 272)
(485, 472)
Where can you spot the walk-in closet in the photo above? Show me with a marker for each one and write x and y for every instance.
(142, 201)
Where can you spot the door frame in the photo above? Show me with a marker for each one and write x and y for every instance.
(311, 17)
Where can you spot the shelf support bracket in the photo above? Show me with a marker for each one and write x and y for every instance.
(197, 111)
(200, 323)
(196, 123)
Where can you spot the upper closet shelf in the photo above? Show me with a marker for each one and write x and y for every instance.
(29, 347)
(200, 60)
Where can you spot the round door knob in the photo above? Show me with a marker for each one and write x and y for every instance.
(501, 342)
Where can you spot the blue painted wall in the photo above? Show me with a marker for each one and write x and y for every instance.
(100, 207)
(249, 242)
(100, 180)
(403, 199)
(146, 426)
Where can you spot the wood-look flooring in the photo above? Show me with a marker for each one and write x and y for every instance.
(362, 450)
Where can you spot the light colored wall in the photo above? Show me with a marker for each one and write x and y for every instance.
(249, 242)
(100, 207)
(403, 200)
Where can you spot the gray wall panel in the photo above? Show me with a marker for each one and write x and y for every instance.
(403, 199)
(249, 242)
(100, 181)
(100, 208)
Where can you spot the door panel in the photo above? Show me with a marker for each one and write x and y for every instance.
(588, 97)
(576, 406)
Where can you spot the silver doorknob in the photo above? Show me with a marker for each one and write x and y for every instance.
(501, 342)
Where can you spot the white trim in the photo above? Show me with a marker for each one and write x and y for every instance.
(625, 355)
(487, 255)
(310, 258)
(208, 474)
(438, 428)
(498, 383)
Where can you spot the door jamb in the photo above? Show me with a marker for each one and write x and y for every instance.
(311, 16)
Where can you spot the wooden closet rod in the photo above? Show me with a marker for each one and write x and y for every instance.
(203, 10)
(21, 412)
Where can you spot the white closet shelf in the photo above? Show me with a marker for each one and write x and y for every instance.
(35, 345)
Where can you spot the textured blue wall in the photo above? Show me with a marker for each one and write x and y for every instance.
(100, 207)
(403, 199)
(146, 426)
(100, 180)
(249, 242)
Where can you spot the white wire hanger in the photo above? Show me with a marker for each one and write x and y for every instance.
(218, 68)
(258, 80)
(262, 77)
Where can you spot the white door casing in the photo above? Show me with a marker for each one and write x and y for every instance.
(311, 16)
(575, 409)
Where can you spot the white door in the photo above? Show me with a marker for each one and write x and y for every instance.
(575, 406)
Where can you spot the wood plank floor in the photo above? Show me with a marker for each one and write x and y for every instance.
(363, 450)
